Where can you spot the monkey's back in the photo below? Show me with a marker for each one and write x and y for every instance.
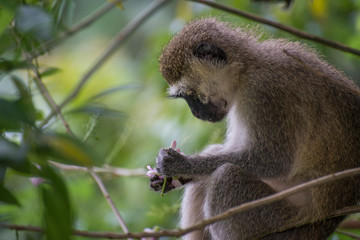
(323, 106)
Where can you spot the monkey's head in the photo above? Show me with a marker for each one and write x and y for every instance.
(202, 65)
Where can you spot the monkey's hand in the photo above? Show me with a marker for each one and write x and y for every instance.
(157, 183)
(171, 163)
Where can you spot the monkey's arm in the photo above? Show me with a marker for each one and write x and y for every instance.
(172, 163)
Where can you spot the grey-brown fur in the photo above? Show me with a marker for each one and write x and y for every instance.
(291, 116)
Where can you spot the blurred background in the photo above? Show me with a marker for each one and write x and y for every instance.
(122, 115)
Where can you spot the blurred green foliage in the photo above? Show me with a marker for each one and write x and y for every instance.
(121, 117)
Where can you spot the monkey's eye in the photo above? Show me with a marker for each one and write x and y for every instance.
(210, 52)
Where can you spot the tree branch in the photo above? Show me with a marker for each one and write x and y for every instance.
(280, 26)
(275, 197)
(48, 98)
(346, 211)
(109, 200)
(140, 172)
(233, 211)
(119, 39)
(352, 224)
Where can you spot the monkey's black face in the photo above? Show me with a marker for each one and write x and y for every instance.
(207, 112)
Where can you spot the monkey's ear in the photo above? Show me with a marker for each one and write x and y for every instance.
(210, 52)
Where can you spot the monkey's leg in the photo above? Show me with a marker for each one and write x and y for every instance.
(192, 210)
(228, 187)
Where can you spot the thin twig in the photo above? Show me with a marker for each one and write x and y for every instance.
(280, 26)
(351, 224)
(109, 235)
(346, 211)
(41, 86)
(140, 172)
(48, 98)
(118, 40)
(233, 211)
(76, 28)
(118, 145)
(109, 200)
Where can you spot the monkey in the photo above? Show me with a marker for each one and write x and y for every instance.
(291, 117)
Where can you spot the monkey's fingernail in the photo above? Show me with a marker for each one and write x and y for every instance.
(173, 144)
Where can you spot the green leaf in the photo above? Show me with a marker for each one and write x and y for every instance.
(12, 115)
(17, 112)
(34, 21)
(65, 148)
(11, 4)
(7, 197)
(58, 215)
(14, 156)
(50, 71)
(5, 18)
(7, 66)
(2, 174)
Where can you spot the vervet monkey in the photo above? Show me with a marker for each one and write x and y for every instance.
(291, 116)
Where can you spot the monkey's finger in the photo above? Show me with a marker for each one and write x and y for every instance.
(156, 178)
(159, 171)
(156, 186)
(168, 188)
(173, 144)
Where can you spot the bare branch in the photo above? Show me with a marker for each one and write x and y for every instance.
(351, 224)
(346, 211)
(280, 26)
(140, 172)
(275, 197)
(109, 235)
(109, 200)
(233, 211)
(119, 39)
(48, 98)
